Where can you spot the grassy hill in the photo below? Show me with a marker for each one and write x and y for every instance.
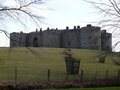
(32, 63)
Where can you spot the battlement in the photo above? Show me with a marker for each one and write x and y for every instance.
(88, 37)
(67, 28)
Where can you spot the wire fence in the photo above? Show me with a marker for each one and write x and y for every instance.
(19, 75)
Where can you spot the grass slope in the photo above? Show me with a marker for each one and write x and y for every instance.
(33, 63)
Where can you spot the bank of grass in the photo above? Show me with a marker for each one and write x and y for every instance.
(102, 88)
(31, 63)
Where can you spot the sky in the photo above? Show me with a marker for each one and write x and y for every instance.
(69, 13)
(57, 14)
(62, 13)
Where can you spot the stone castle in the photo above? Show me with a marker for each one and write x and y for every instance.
(89, 37)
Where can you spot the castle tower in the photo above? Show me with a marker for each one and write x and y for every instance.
(90, 37)
(71, 38)
(106, 40)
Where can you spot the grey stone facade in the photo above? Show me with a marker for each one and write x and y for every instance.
(89, 37)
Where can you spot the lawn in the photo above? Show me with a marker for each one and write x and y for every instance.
(33, 63)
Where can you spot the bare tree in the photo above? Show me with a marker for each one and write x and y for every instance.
(110, 12)
(17, 10)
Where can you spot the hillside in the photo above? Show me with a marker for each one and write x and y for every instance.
(33, 62)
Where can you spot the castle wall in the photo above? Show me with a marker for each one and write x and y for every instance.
(106, 40)
(34, 39)
(14, 39)
(71, 38)
(18, 39)
(30, 39)
(90, 37)
(22, 39)
(52, 38)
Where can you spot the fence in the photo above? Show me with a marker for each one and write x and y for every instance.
(18, 75)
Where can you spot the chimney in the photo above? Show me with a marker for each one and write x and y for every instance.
(74, 27)
(67, 28)
(89, 25)
(36, 30)
(48, 28)
(78, 27)
(40, 29)
(56, 28)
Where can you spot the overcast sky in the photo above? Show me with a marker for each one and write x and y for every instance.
(69, 13)
(61, 13)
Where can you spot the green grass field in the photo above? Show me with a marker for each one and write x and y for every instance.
(32, 64)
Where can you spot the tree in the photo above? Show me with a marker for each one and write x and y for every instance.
(110, 12)
(17, 10)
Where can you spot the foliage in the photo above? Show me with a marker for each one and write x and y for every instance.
(68, 54)
(102, 56)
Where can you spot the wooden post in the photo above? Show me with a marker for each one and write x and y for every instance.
(67, 76)
(118, 75)
(106, 76)
(95, 76)
(15, 75)
(81, 75)
(48, 75)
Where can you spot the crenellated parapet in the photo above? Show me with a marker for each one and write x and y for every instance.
(88, 37)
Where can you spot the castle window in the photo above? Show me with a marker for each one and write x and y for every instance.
(95, 42)
(78, 39)
(27, 43)
(48, 45)
(13, 43)
(89, 37)
(35, 42)
(20, 41)
(108, 48)
(68, 43)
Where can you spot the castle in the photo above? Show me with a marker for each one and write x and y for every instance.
(89, 37)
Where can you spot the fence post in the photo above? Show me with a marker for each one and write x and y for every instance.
(81, 75)
(106, 77)
(48, 75)
(67, 76)
(16, 75)
(118, 75)
(95, 76)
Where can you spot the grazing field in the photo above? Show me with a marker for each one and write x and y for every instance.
(32, 63)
